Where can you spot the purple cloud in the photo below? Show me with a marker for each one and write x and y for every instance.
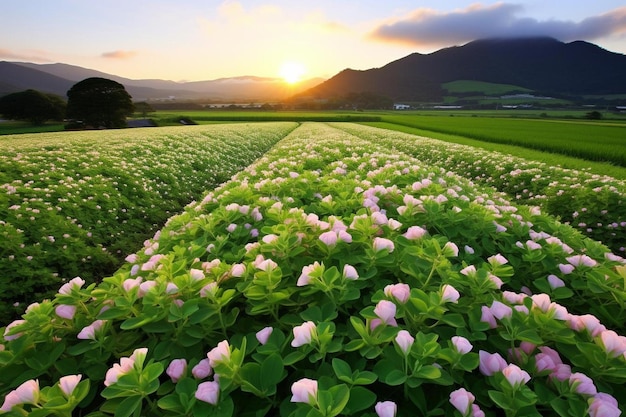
(430, 27)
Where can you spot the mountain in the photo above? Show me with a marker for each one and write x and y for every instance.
(544, 65)
(58, 78)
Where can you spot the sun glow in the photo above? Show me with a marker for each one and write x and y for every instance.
(292, 71)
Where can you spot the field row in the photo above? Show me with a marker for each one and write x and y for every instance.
(76, 203)
(593, 204)
(337, 276)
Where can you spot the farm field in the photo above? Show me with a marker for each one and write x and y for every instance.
(338, 271)
(75, 203)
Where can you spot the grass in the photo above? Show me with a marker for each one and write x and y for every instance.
(15, 128)
(469, 86)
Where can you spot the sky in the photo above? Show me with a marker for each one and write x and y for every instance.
(192, 40)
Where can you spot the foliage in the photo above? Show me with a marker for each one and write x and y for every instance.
(75, 203)
(336, 276)
(33, 106)
(594, 204)
(99, 102)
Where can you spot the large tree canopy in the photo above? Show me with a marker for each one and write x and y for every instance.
(99, 102)
(33, 106)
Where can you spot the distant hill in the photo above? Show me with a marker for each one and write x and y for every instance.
(544, 65)
(58, 78)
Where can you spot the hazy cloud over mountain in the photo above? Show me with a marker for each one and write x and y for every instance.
(427, 26)
(119, 54)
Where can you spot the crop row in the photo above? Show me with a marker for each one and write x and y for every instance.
(335, 276)
(593, 204)
(76, 203)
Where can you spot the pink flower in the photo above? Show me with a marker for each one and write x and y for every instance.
(264, 334)
(461, 344)
(68, 384)
(488, 317)
(603, 405)
(344, 236)
(500, 310)
(548, 359)
(349, 272)
(555, 282)
(400, 292)
(304, 334)
(117, 370)
(89, 332)
(497, 282)
(462, 400)
(304, 391)
(202, 369)
(220, 353)
(566, 269)
(614, 344)
(450, 249)
(405, 341)
(561, 372)
(386, 311)
(386, 409)
(449, 294)
(542, 302)
(515, 375)
(513, 298)
(329, 238)
(237, 270)
(7, 330)
(196, 274)
(266, 265)
(414, 233)
(578, 260)
(582, 384)
(468, 270)
(490, 363)
(269, 239)
(209, 392)
(176, 369)
(27, 393)
(380, 243)
(305, 276)
(497, 260)
(74, 283)
(131, 283)
(477, 412)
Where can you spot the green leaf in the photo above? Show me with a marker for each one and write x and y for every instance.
(135, 322)
(171, 403)
(428, 372)
(342, 370)
(272, 370)
(364, 378)
(395, 377)
(360, 399)
(341, 395)
(129, 406)
(500, 399)
(454, 320)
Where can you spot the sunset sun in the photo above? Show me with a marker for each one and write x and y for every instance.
(292, 71)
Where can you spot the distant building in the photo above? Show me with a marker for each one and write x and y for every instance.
(398, 106)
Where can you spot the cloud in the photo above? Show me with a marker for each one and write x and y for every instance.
(119, 54)
(30, 56)
(431, 27)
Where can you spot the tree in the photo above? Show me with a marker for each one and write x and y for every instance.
(32, 106)
(144, 108)
(99, 102)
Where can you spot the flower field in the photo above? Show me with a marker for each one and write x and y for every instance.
(337, 275)
(76, 203)
(593, 204)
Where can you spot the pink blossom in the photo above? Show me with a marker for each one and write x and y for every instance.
(468, 249)
(264, 334)
(304, 334)
(497, 260)
(404, 341)
(449, 294)
(237, 270)
(176, 369)
(74, 283)
(462, 400)
(209, 392)
(131, 283)
(26, 393)
(500, 310)
(209, 290)
(490, 363)
(587, 322)
(267, 265)
(196, 274)
(386, 311)
(305, 276)
(561, 372)
(89, 332)
(450, 249)
(548, 359)
(202, 369)
(269, 239)
(582, 384)
(68, 384)
(380, 243)
(220, 353)
(515, 375)
(584, 260)
(65, 311)
(414, 233)
(566, 269)
(349, 272)
(488, 317)
(231, 228)
(497, 282)
(477, 412)
(329, 238)
(461, 344)
(542, 302)
(400, 292)
(146, 286)
(614, 344)
(603, 405)
(386, 409)
(555, 282)
(344, 236)
(468, 271)
(117, 370)
(304, 391)
(132, 258)
(513, 298)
